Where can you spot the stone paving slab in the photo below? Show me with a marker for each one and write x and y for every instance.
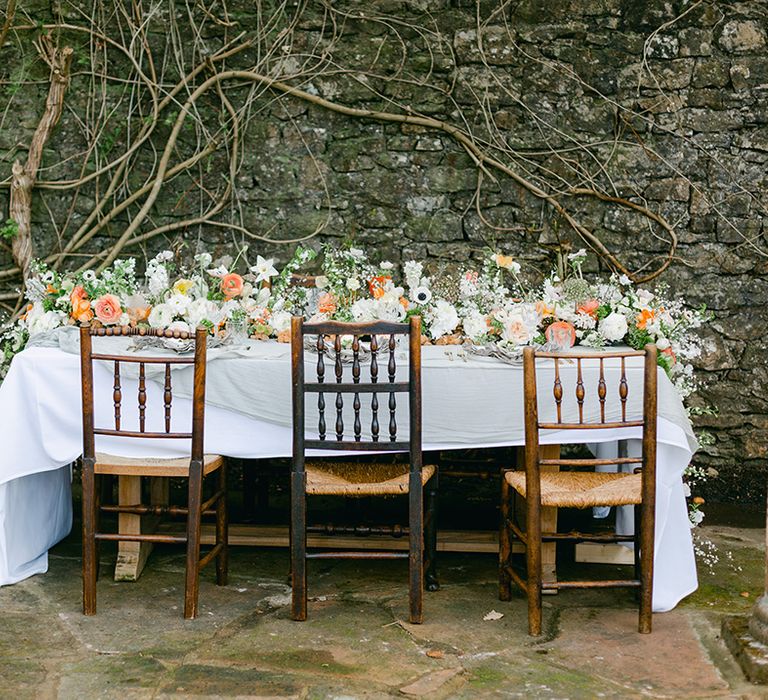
(355, 643)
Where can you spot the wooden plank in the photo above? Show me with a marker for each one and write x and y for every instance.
(595, 553)
(482, 541)
(132, 556)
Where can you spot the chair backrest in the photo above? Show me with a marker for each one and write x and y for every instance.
(592, 363)
(87, 358)
(379, 377)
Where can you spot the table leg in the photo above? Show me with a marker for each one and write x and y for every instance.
(548, 516)
(549, 520)
(132, 556)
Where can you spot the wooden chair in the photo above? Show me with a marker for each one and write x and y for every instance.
(338, 478)
(577, 489)
(194, 469)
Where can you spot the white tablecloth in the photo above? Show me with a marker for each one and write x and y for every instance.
(467, 401)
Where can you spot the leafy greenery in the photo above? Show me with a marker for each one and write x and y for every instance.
(9, 230)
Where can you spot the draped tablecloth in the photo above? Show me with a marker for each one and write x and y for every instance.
(468, 401)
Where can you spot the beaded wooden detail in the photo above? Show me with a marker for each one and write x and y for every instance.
(119, 361)
(582, 363)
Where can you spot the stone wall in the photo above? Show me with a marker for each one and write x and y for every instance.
(684, 130)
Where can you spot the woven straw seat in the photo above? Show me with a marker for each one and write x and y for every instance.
(353, 479)
(140, 466)
(582, 489)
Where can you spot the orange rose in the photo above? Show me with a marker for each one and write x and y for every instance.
(108, 309)
(81, 306)
(562, 334)
(589, 307)
(377, 286)
(326, 304)
(644, 317)
(231, 285)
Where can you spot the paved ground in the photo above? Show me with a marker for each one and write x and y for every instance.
(355, 643)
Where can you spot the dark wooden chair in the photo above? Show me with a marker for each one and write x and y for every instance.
(194, 469)
(580, 489)
(351, 479)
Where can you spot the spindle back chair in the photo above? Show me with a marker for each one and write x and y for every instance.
(194, 468)
(356, 479)
(577, 489)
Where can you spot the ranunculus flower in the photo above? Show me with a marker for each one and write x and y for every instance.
(377, 286)
(562, 334)
(326, 304)
(108, 309)
(514, 329)
(183, 286)
(81, 306)
(644, 317)
(589, 307)
(231, 285)
(613, 327)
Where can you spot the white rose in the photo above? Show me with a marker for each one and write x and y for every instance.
(353, 284)
(202, 310)
(161, 316)
(442, 318)
(41, 321)
(281, 321)
(475, 325)
(178, 303)
(613, 327)
(662, 343)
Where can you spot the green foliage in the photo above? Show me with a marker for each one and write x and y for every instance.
(9, 230)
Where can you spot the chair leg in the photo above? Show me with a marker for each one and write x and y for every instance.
(533, 565)
(505, 545)
(222, 529)
(647, 527)
(416, 548)
(89, 539)
(194, 503)
(298, 533)
(430, 575)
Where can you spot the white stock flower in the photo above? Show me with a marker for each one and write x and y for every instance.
(412, 271)
(158, 280)
(264, 269)
(161, 316)
(613, 327)
(442, 318)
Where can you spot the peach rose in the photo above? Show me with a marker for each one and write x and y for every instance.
(108, 309)
(81, 307)
(588, 307)
(231, 285)
(562, 334)
(326, 304)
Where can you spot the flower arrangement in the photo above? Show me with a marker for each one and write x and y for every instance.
(482, 306)
(485, 306)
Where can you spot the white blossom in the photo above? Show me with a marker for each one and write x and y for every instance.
(442, 318)
(613, 327)
(353, 284)
(264, 269)
(161, 316)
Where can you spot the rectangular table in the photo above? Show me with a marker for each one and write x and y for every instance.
(468, 401)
